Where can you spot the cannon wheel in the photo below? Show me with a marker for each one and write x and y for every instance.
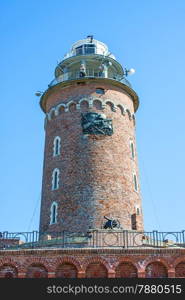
(115, 224)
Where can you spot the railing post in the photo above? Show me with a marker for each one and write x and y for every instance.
(155, 236)
(183, 236)
(126, 240)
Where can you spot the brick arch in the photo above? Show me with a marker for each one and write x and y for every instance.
(97, 103)
(96, 259)
(60, 108)
(84, 100)
(36, 270)
(121, 109)
(156, 269)
(126, 269)
(71, 106)
(11, 262)
(152, 260)
(96, 268)
(84, 105)
(179, 265)
(66, 270)
(66, 260)
(8, 271)
(110, 104)
(126, 260)
(37, 261)
(178, 260)
(180, 270)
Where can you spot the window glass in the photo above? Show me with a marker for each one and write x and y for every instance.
(135, 183)
(79, 50)
(55, 179)
(53, 215)
(56, 146)
(132, 149)
(89, 48)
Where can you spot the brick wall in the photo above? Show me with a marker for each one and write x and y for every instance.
(96, 172)
(156, 270)
(96, 270)
(66, 270)
(126, 270)
(36, 271)
(81, 263)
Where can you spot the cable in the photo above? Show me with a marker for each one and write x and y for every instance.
(150, 194)
(34, 212)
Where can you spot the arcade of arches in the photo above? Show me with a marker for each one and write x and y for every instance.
(104, 263)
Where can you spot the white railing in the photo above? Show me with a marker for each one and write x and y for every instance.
(90, 73)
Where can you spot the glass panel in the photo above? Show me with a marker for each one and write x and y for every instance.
(54, 214)
(89, 48)
(135, 182)
(132, 149)
(79, 50)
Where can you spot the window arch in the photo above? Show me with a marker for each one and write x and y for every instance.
(55, 179)
(56, 146)
(54, 212)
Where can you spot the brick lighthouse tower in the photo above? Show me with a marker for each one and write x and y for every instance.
(91, 223)
(90, 174)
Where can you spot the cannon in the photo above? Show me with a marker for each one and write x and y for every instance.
(111, 223)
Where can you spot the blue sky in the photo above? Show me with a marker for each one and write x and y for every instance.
(147, 35)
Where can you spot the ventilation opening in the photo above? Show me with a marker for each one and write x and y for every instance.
(100, 91)
(81, 83)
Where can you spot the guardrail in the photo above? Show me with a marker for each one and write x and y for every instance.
(91, 74)
(91, 239)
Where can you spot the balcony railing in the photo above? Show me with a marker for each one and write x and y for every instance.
(91, 239)
(90, 73)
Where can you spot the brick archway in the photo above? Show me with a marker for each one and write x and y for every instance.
(96, 267)
(8, 271)
(126, 270)
(37, 261)
(96, 270)
(66, 260)
(36, 270)
(180, 270)
(156, 269)
(66, 270)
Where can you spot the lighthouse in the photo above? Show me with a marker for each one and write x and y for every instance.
(90, 172)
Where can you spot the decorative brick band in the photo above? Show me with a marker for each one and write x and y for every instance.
(76, 106)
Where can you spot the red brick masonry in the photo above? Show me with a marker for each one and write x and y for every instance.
(93, 263)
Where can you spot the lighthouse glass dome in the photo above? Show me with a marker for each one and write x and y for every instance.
(89, 58)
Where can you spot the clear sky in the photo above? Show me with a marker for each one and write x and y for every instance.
(148, 35)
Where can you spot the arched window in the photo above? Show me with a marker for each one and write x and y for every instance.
(135, 182)
(53, 215)
(132, 149)
(56, 146)
(55, 179)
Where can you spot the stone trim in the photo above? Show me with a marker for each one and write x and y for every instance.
(55, 111)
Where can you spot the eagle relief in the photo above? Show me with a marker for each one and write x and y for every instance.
(94, 123)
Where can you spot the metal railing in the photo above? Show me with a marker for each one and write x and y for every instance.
(91, 239)
(90, 73)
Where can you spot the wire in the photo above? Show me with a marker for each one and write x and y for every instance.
(150, 194)
(34, 212)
